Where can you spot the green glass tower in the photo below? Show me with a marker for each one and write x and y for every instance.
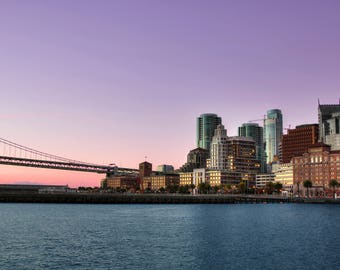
(255, 132)
(273, 131)
(206, 125)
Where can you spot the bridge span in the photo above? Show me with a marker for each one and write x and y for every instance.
(18, 155)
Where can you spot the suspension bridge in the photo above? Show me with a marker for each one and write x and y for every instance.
(18, 155)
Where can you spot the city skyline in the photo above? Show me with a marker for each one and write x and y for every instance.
(117, 81)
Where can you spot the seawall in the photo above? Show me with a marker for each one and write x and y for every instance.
(117, 198)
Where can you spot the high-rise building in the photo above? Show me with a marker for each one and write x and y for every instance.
(328, 115)
(297, 141)
(206, 125)
(241, 155)
(255, 132)
(218, 149)
(273, 130)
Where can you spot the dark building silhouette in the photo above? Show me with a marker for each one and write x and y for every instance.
(196, 158)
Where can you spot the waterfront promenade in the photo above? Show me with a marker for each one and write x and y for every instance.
(124, 198)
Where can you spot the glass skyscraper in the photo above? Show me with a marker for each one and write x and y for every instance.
(273, 131)
(255, 132)
(206, 125)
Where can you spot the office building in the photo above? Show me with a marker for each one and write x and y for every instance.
(127, 182)
(155, 182)
(255, 132)
(165, 168)
(241, 157)
(206, 125)
(263, 179)
(284, 174)
(218, 149)
(196, 158)
(185, 178)
(328, 115)
(272, 133)
(319, 165)
(297, 141)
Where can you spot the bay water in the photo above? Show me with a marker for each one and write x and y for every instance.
(137, 236)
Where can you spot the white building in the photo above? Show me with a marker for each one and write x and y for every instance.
(218, 149)
(198, 176)
(264, 178)
(283, 174)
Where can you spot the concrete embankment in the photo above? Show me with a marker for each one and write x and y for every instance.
(115, 198)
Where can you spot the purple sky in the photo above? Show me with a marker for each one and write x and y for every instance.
(114, 81)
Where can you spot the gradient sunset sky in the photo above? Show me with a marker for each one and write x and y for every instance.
(115, 81)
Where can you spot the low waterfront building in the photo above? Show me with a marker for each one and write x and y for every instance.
(218, 177)
(263, 178)
(155, 182)
(199, 176)
(17, 188)
(127, 182)
(284, 174)
(319, 165)
(185, 178)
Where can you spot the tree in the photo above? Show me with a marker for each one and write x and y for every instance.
(278, 186)
(269, 187)
(204, 188)
(307, 184)
(333, 184)
(242, 187)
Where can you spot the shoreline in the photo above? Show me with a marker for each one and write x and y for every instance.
(127, 198)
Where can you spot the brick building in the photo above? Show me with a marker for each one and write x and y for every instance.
(296, 141)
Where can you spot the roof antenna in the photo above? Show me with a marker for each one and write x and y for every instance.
(319, 101)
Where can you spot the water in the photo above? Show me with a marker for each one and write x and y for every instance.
(244, 236)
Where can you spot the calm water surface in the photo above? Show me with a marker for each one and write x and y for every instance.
(243, 236)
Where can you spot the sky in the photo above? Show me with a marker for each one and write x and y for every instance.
(117, 81)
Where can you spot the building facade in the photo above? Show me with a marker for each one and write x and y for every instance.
(319, 165)
(196, 158)
(284, 174)
(127, 182)
(333, 138)
(255, 132)
(218, 149)
(185, 178)
(263, 178)
(205, 128)
(273, 130)
(165, 168)
(241, 157)
(297, 141)
(155, 182)
(328, 115)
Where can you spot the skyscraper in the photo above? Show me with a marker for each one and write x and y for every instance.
(206, 125)
(272, 133)
(255, 132)
(329, 125)
(218, 149)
